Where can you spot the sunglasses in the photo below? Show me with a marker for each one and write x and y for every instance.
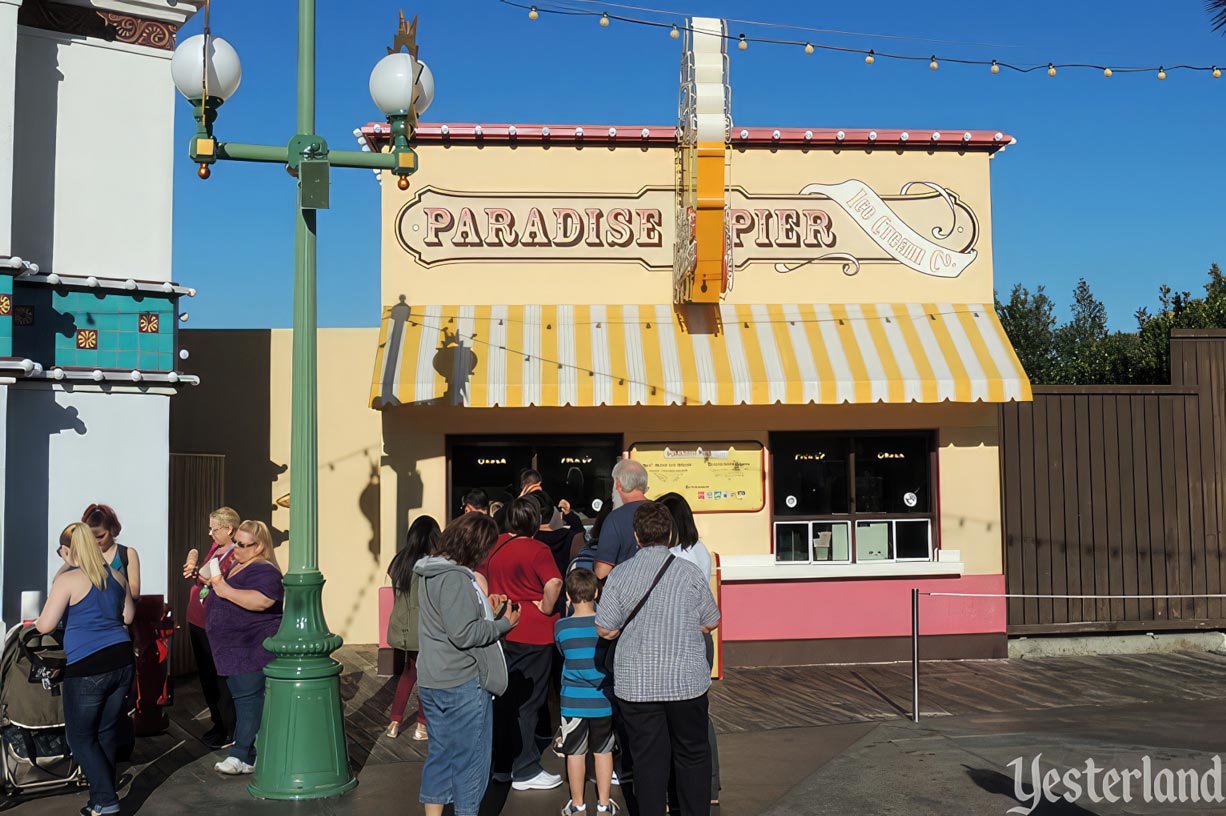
(243, 546)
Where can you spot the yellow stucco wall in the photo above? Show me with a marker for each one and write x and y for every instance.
(353, 552)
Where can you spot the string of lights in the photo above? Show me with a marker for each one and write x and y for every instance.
(995, 66)
(764, 24)
(648, 323)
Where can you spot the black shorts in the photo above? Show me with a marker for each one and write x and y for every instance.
(580, 733)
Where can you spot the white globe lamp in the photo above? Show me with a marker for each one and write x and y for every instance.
(392, 83)
(218, 73)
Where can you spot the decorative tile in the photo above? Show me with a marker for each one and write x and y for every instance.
(6, 305)
(87, 338)
(149, 322)
(23, 315)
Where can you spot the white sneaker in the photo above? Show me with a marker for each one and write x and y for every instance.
(232, 766)
(542, 781)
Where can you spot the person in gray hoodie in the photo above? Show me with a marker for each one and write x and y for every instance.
(460, 666)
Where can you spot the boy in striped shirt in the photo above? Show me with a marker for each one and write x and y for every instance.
(587, 714)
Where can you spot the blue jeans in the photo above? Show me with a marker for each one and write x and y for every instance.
(93, 711)
(457, 767)
(248, 693)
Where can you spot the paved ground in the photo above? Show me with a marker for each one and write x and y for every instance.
(812, 740)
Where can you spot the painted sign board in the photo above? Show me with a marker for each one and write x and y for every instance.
(714, 477)
(925, 227)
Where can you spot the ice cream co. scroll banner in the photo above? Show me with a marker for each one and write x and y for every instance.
(887, 229)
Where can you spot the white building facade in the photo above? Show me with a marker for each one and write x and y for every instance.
(88, 310)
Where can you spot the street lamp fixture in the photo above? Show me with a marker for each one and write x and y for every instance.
(301, 742)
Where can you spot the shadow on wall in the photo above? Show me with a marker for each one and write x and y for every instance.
(398, 454)
(34, 417)
(454, 361)
(37, 104)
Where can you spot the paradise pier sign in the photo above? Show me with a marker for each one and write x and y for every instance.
(924, 227)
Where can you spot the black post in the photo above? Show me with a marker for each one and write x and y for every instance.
(915, 709)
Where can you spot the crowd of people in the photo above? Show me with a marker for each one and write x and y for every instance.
(235, 603)
(509, 606)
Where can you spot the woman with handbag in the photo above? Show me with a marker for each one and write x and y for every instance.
(94, 603)
(460, 666)
(658, 606)
(402, 625)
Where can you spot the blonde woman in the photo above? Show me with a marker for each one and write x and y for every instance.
(243, 609)
(223, 524)
(94, 604)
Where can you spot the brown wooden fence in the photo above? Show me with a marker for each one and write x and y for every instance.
(197, 484)
(1119, 490)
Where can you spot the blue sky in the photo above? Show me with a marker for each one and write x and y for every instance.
(1118, 180)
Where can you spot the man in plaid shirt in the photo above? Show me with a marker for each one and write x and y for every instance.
(661, 674)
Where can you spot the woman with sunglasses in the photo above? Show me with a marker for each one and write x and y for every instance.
(244, 609)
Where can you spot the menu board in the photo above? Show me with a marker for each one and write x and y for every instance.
(714, 477)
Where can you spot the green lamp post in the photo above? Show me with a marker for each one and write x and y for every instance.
(301, 743)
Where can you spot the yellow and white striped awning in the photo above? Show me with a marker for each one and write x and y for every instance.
(793, 354)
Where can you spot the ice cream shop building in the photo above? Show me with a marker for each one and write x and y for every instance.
(792, 328)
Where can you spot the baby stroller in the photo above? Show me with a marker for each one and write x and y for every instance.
(33, 745)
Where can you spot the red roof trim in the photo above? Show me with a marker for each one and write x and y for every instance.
(378, 134)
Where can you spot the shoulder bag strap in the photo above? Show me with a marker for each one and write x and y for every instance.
(659, 576)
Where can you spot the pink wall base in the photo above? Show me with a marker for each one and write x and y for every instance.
(850, 608)
(839, 608)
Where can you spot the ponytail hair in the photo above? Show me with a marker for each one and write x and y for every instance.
(85, 554)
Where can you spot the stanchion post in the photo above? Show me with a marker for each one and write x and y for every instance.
(915, 623)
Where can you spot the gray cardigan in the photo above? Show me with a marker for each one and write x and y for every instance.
(458, 637)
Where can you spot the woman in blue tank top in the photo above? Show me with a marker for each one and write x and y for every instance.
(93, 602)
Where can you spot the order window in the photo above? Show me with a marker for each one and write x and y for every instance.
(853, 498)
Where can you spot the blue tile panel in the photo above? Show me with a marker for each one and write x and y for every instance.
(6, 316)
(117, 317)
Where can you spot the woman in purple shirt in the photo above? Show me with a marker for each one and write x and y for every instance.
(245, 610)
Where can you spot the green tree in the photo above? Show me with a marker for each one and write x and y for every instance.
(1217, 14)
(1177, 310)
(1030, 321)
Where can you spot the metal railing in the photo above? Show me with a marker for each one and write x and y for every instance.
(915, 621)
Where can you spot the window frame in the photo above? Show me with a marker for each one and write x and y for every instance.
(852, 518)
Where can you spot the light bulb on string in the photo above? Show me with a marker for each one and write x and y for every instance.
(869, 59)
(1161, 73)
(995, 67)
(674, 33)
(604, 21)
(1217, 72)
(808, 48)
(1107, 73)
(742, 43)
(934, 64)
(533, 14)
(1051, 70)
